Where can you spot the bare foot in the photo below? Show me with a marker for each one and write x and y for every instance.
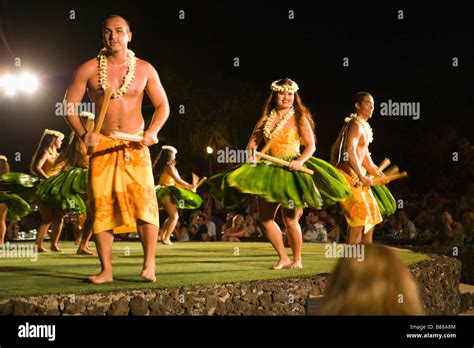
(91, 251)
(41, 249)
(296, 265)
(55, 247)
(167, 242)
(282, 264)
(148, 274)
(85, 251)
(102, 277)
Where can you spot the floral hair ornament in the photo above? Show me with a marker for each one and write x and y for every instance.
(287, 85)
(55, 133)
(170, 148)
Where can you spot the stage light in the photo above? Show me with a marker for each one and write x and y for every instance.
(9, 85)
(209, 150)
(25, 82)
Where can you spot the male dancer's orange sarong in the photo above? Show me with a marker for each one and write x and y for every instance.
(122, 186)
(362, 208)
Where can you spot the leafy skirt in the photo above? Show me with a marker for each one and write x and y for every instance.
(278, 184)
(184, 199)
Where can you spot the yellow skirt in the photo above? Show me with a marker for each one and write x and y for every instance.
(362, 208)
(122, 186)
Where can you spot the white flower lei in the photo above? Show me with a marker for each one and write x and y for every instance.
(364, 124)
(266, 129)
(103, 81)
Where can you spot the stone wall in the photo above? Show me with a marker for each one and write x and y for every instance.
(438, 279)
(465, 254)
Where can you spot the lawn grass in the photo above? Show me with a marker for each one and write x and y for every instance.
(183, 264)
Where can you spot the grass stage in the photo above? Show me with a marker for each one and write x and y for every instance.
(183, 264)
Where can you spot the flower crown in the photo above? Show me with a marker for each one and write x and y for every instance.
(2, 157)
(170, 148)
(55, 133)
(290, 86)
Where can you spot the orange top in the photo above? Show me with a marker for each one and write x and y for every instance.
(166, 179)
(49, 167)
(287, 143)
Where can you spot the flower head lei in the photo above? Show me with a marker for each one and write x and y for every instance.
(170, 148)
(103, 81)
(55, 133)
(364, 124)
(277, 129)
(287, 86)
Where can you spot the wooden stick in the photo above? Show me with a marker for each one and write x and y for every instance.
(386, 179)
(126, 136)
(283, 162)
(392, 170)
(103, 111)
(385, 163)
(201, 181)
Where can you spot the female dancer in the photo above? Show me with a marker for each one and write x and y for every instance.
(285, 125)
(16, 190)
(43, 165)
(173, 193)
(65, 191)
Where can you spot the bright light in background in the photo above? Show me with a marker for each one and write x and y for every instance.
(209, 150)
(25, 82)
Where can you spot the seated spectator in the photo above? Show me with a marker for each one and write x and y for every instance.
(379, 285)
(252, 229)
(237, 230)
(394, 227)
(383, 229)
(314, 232)
(192, 231)
(211, 228)
(228, 222)
(201, 233)
(194, 217)
(181, 233)
(451, 234)
(407, 227)
(331, 226)
(431, 208)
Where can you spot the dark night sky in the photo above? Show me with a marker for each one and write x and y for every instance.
(406, 61)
